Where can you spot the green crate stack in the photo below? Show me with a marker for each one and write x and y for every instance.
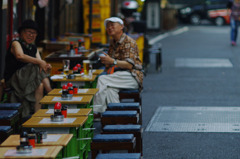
(82, 142)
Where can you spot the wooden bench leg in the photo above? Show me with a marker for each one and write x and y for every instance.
(1, 91)
(94, 154)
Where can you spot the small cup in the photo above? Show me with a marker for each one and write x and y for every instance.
(66, 66)
(64, 111)
(39, 137)
(86, 64)
(31, 140)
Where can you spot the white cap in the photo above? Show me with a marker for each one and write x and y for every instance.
(113, 19)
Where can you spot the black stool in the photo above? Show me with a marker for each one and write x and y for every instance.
(157, 51)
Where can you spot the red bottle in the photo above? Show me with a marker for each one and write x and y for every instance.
(75, 89)
(31, 140)
(71, 51)
(80, 48)
(57, 108)
(64, 89)
(70, 88)
(64, 111)
(75, 70)
(79, 68)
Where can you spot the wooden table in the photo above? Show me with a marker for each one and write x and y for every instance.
(79, 81)
(51, 153)
(76, 113)
(56, 58)
(60, 140)
(97, 71)
(63, 140)
(81, 92)
(51, 46)
(76, 102)
(64, 55)
(94, 71)
(38, 122)
(70, 125)
(87, 38)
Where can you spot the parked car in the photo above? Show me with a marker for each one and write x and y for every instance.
(219, 16)
(214, 10)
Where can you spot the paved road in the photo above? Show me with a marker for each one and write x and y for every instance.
(188, 79)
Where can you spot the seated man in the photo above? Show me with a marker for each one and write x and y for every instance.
(122, 64)
(25, 71)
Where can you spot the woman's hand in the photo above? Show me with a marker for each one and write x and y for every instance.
(44, 66)
(49, 67)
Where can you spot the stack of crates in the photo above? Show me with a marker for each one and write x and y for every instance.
(100, 11)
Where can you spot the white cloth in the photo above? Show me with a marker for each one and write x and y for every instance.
(109, 86)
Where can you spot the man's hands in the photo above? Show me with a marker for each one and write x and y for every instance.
(107, 60)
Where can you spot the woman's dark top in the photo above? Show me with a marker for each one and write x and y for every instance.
(12, 64)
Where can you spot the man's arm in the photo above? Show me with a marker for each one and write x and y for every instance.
(107, 60)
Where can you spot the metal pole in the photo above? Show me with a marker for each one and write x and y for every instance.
(10, 16)
(1, 45)
(90, 16)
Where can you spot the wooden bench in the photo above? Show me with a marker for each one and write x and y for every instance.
(109, 142)
(134, 94)
(5, 131)
(5, 92)
(125, 107)
(119, 117)
(136, 130)
(10, 118)
(13, 106)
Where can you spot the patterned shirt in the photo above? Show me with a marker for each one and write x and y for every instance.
(126, 49)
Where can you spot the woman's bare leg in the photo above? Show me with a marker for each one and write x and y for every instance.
(46, 84)
(38, 97)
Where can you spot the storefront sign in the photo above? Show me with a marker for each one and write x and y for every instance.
(153, 15)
